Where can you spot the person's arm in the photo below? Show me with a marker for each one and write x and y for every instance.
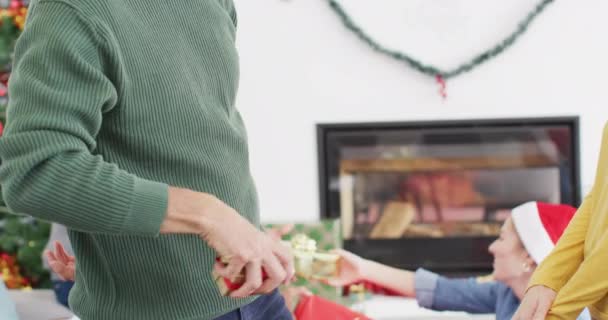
(567, 270)
(398, 280)
(443, 294)
(59, 93)
(585, 287)
(431, 291)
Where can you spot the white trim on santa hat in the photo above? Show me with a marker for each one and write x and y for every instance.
(531, 231)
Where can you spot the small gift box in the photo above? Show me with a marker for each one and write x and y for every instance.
(327, 236)
(309, 263)
(226, 286)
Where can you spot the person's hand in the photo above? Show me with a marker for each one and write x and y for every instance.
(277, 233)
(536, 303)
(352, 269)
(61, 262)
(246, 249)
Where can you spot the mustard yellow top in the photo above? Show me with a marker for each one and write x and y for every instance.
(578, 266)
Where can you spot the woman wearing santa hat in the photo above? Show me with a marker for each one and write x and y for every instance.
(526, 238)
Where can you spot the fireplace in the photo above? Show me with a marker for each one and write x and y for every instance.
(434, 194)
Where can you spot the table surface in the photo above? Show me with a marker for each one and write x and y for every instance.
(41, 305)
(399, 308)
(38, 305)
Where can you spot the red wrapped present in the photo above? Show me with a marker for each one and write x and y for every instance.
(316, 308)
(227, 286)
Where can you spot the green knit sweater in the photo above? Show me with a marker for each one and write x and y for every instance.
(111, 101)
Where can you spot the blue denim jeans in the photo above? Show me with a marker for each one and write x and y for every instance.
(266, 307)
(62, 290)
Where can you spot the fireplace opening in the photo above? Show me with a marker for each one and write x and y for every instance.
(434, 194)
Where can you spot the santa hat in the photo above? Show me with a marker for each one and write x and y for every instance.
(539, 226)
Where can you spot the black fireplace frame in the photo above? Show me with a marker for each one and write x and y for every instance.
(446, 254)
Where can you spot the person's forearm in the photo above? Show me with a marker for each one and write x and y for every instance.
(187, 211)
(401, 281)
(585, 287)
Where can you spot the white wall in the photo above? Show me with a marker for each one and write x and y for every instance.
(300, 66)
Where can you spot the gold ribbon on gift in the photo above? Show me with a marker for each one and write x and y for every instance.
(311, 263)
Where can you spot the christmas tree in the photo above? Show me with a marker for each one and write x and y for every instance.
(22, 238)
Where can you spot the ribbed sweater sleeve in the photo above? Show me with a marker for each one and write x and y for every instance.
(59, 96)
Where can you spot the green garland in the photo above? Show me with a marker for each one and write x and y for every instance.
(432, 70)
